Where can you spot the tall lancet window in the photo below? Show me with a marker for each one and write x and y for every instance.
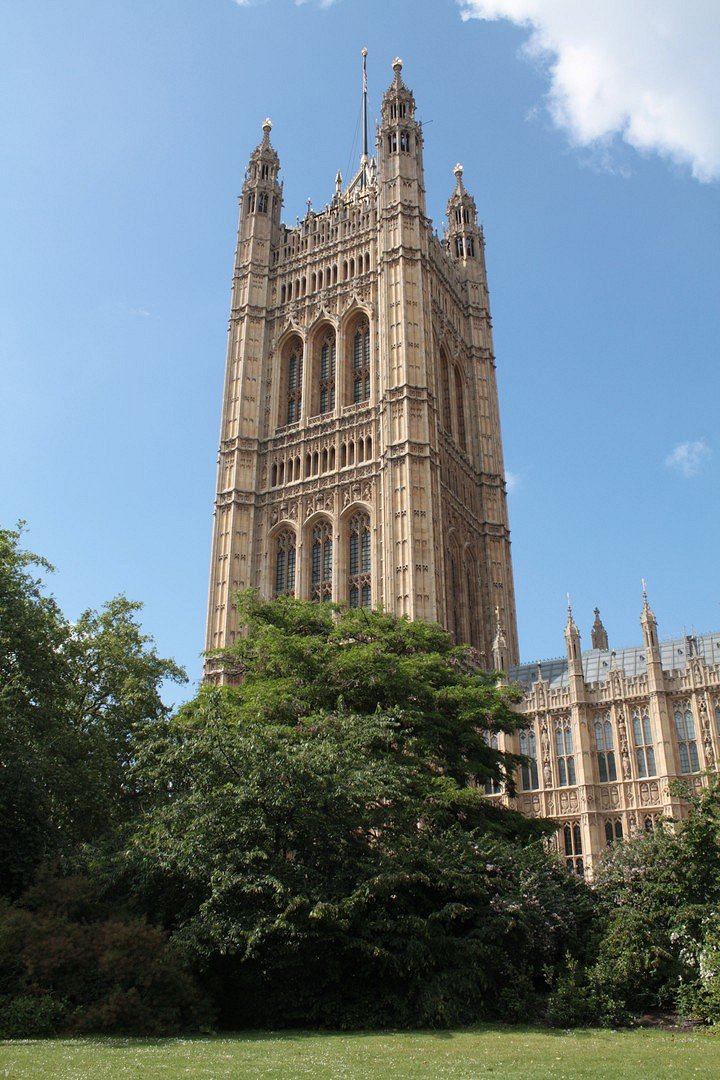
(460, 409)
(294, 391)
(445, 413)
(361, 362)
(327, 373)
(359, 560)
(285, 554)
(321, 566)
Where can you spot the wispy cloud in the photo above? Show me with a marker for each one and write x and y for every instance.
(688, 458)
(643, 70)
(512, 481)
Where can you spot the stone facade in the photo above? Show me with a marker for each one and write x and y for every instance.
(608, 730)
(360, 448)
(361, 461)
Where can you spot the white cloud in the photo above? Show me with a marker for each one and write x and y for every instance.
(512, 481)
(688, 458)
(646, 70)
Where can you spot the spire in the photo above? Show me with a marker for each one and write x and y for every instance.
(598, 634)
(572, 636)
(648, 622)
(499, 645)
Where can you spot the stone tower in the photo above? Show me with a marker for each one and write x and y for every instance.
(360, 447)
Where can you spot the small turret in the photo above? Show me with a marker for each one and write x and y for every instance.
(598, 634)
(261, 199)
(463, 237)
(400, 143)
(572, 640)
(648, 622)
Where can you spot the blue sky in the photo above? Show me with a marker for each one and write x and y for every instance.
(594, 161)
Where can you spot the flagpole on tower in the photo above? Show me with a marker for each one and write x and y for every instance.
(365, 121)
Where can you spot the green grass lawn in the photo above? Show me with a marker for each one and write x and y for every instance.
(490, 1050)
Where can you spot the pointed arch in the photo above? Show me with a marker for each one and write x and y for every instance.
(321, 558)
(322, 373)
(356, 354)
(284, 547)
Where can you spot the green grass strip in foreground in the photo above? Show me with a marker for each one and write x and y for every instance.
(490, 1050)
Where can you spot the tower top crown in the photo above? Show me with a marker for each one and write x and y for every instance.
(265, 151)
(398, 104)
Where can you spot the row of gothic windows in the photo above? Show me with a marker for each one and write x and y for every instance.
(604, 739)
(320, 279)
(358, 561)
(324, 373)
(402, 139)
(262, 202)
(289, 471)
(464, 245)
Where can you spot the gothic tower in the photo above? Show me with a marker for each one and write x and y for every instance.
(360, 448)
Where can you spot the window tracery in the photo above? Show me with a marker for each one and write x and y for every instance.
(359, 560)
(294, 383)
(572, 844)
(361, 362)
(321, 559)
(285, 558)
(644, 745)
(529, 769)
(327, 373)
(564, 753)
(605, 748)
(687, 744)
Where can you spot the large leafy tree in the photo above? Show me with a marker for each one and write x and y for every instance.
(316, 836)
(71, 695)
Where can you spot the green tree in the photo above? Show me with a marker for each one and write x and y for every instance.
(71, 696)
(660, 897)
(319, 842)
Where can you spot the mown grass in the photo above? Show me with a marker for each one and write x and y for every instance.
(488, 1050)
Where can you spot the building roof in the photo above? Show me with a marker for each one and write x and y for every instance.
(598, 662)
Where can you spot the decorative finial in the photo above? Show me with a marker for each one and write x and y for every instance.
(363, 52)
(569, 606)
(458, 171)
(644, 590)
(267, 125)
(397, 68)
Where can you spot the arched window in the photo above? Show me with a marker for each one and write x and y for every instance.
(359, 560)
(454, 598)
(285, 551)
(613, 830)
(492, 785)
(327, 373)
(685, 725)
(529, 770)
(605, 749)
(361, 362)
(460, 410)
(564, 753)
(321, 561)
(294, 383)
(445, 414)
(644, 746)
(572, 843)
